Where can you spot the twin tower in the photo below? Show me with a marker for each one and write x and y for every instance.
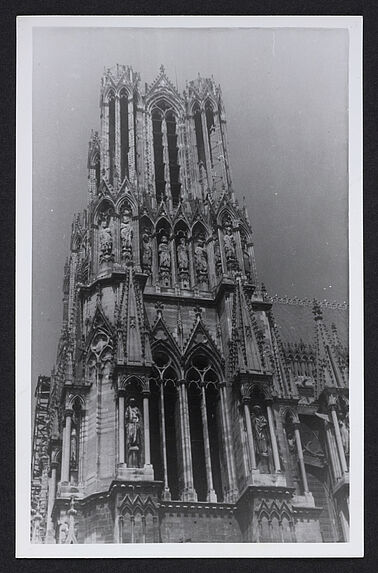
(172, 415)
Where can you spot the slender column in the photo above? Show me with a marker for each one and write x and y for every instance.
(187, 436)
(332, 454)
(211, 496)
(146, 425)
(166, 162)
(121, 427)
(117, 146)
(339, 443)
(51, 500)
(227, 437)
(220, 151)
(248, 423)
(182, 435)
(207, 149)
(143, 529)
(132, 520)
(166, 493)
(121, 528)
(300, 457)
(273, 439)
(189, 492)
(344, 525)
(132, 151)
(66, 447)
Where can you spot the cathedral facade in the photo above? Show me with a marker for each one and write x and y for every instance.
(177, 410)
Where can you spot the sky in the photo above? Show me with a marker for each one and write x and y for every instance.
(286, 99)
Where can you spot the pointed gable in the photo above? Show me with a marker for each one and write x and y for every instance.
(200, 337)
(161, 333)
(162, 86)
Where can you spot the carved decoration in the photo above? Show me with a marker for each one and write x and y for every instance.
(126, 235)
(106, 237)
(164, 260)
(133, 421)
(146, 251)
(200, 260)
(262, 440)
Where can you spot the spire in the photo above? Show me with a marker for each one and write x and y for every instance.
(247, 353)
(328, 371)
(134, 340)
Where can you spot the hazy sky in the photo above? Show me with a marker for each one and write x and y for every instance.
(285, 94)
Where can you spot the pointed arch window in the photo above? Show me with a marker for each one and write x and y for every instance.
(174, 167)
(97, 172)
(164, 130)
(210, 125)
(157, 119)
(111, 100)
(199, 135)
(124, 128)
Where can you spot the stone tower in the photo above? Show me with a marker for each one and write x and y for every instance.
(175, 410)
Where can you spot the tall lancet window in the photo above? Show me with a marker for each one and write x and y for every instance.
(199, 135)
(210, 125)
(124, 112)
(158, 154)
(174, 167)
(111, 100)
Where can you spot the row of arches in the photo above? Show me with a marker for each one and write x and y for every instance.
(169, 127)
(173, 254)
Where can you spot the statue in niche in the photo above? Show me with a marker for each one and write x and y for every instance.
(291, 441)
(200, 255)
(229, 242)
(73, 449)
(133, 436)
(126, 234)
(106, 238)
(164, 254)
(261, 428)
(146, 251)
(182, 255)
(344, 432)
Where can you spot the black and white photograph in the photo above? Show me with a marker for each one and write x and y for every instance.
(189, 321)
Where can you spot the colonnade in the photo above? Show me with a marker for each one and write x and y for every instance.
(183, 442)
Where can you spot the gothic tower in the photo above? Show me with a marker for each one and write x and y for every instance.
(175, 410)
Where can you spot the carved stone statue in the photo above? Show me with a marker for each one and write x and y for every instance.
(344, 431)
(291, 442)
(182, 255)
(133, 436)
(200, 255)
(126, 234)
(164, 254)
(229, 242)
(106, 239)
(261, 428)
(146, 251)
(73, 449)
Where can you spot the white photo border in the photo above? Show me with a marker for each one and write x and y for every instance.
(24, 547)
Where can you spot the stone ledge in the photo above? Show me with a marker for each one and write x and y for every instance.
(125, 473)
